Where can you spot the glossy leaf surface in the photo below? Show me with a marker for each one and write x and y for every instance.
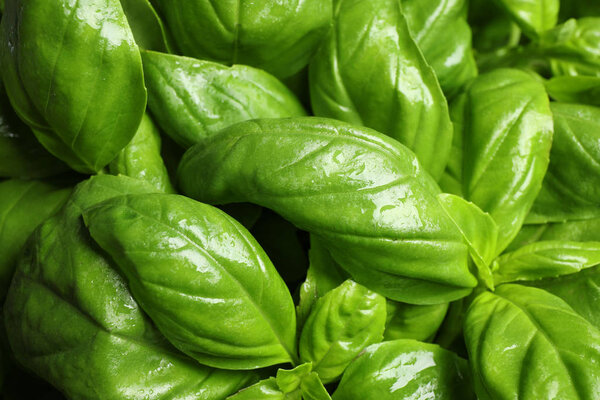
(409, 321)
(201, 277)
(146, 26)
(528, 342)
(342, 323)
(192, 99)
(370, 72)
(363, 194)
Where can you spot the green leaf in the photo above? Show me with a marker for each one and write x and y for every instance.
(365, 75)
(74, 74)
(430, 22)
(575, 89)
(528, 341)
(533, 16)
(279, 37)
(546, 259)
(507, 137)
(361, 193)
(146, 26)
(404, 369)
(478, 229)
(312, 388)
(71, 319)
(141, 158)
(193, 99)
(266, 389)
(341, 324)
(197, 273)
(571, 186)
(409, 321)
(23, 206)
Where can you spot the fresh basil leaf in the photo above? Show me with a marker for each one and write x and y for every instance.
(279, 37)
(71, 319)
(197, 272)
(74, 74)
(192, 99)
(266, 389)
(363, 194)
(146, 26)
(533, 16)
(478, 229)
(405, 369)
(370, 72)
(575, 89)
(506, 143)
(527, 341)
(451, 181)
(546, 259)
(430, 22)
(571, 185)
(341, 324)
(409, 321)
(141, 158)
(23, 206)
(312, 388)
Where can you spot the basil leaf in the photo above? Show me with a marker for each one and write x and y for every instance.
(146, 26)
(575, 89)
(405, 369)
(507, 137)
(520, 329)
(279, 37)
(365, 75)
(197, 272)
(533, 16)
(66, 66)
(71, 319)
(342, 323)
(23, 206)
(141, 158)
(363, 194)
(409, 321)
(192, 99)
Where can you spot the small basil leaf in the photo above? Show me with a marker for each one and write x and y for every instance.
(571, 187)
(192, 99)
(312, 388)
(277, 36)
(511, 333)
(146, 26)
(23, 206)
(478, 229)
(342, 323)
(409, 321)
(403, 369)
(546, 259)
(141, 158)
(451, 181)
(197, 272)
(364, 75)
(362, 193)
(67, 67)
(506, 144)
(429, 22)
(71, 319)
(289, 380)
(575, 89)
(266, 389)
(533, 16)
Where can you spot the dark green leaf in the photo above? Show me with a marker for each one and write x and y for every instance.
(146, 26)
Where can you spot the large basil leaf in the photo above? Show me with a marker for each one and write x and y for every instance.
(533, 16)
(527, 341)
(341, 324)
(370, 72)
(405, 369)
(546, 259)
(71, 319)
(146, 26)
(409, 321)
(575, 89)
(507, 135)
(581, 291)
(141, 158)
(23, 206)
(277, 36)
(571, 186)
(197, 273)
(193, 99)
(21, 155)
(430, 22)
(74, 74)
(363, 194)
